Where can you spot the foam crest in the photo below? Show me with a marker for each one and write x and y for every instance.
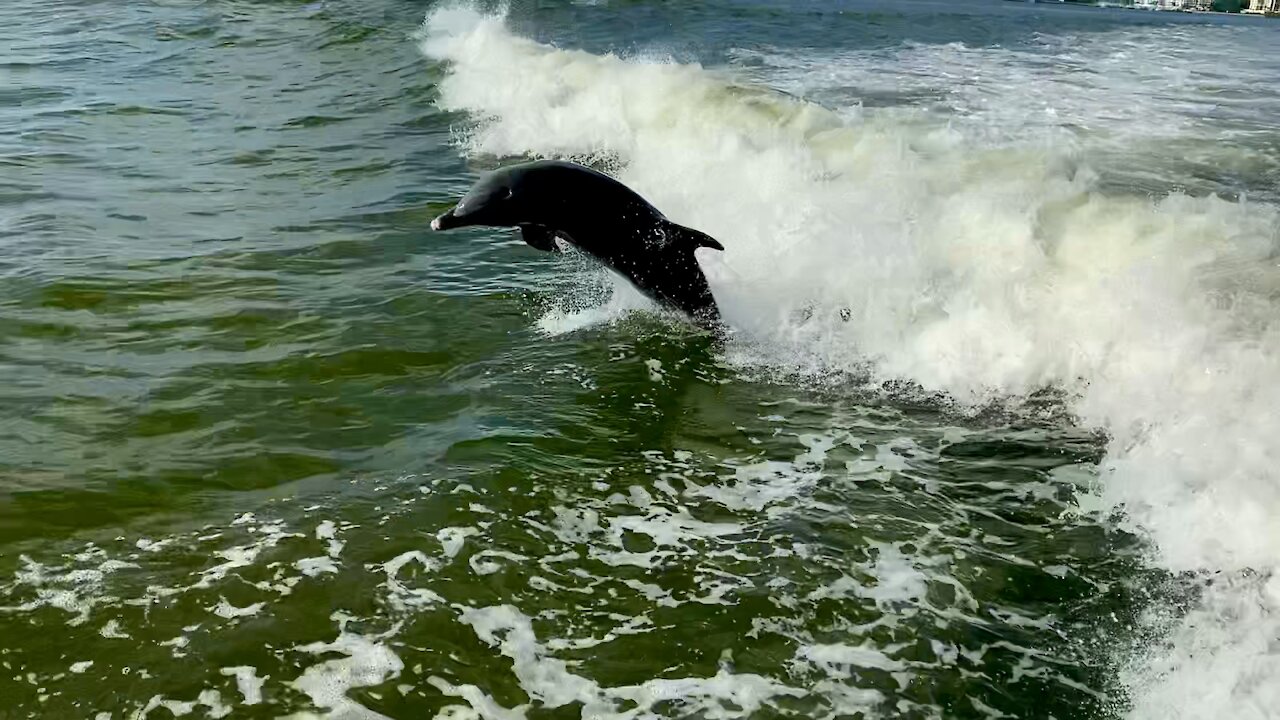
(985, 271)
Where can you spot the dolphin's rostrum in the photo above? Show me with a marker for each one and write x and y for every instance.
(547, 199)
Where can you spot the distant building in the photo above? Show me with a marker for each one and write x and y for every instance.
(1260, 6)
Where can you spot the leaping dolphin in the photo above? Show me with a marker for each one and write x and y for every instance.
(547, 199)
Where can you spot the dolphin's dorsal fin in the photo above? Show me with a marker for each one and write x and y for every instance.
(680, 235)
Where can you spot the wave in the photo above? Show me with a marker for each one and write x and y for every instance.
(872, 242)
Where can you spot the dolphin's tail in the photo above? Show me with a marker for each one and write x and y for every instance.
(681, 235)
(678, 281)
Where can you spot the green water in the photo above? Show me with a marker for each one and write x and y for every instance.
(258, 424)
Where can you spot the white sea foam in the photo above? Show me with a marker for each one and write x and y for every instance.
(76, 587)
(452, 538)
(551, 682)
(315, 566)
(402, 596)
(269, 534)
(976, 268)
(112, 631)
(247, 682)
(225, 609)
(368, 661)
(210, 699)
(328, 531)
(671, 530)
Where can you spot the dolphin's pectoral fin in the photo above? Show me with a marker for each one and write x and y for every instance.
(681, 235)
(540, 237)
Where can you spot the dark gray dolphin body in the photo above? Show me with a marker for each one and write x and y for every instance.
(600, 216)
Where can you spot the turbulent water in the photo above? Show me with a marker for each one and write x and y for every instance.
(994, 431)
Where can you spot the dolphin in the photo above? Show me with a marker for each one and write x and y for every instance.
(549, 199)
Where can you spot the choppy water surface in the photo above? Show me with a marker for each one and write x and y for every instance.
(268, 446)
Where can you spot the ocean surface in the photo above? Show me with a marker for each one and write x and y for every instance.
(995, 431)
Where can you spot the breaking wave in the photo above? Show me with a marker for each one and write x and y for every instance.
(901, 245)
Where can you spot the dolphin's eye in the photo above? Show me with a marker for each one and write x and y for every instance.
(506, 193)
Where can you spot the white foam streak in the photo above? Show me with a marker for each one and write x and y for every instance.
(981, 271)
(402, 596)
(247, 682)
(549, 681)
(368, 662)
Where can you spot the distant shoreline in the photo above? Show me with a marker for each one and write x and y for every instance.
(1110, 6)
